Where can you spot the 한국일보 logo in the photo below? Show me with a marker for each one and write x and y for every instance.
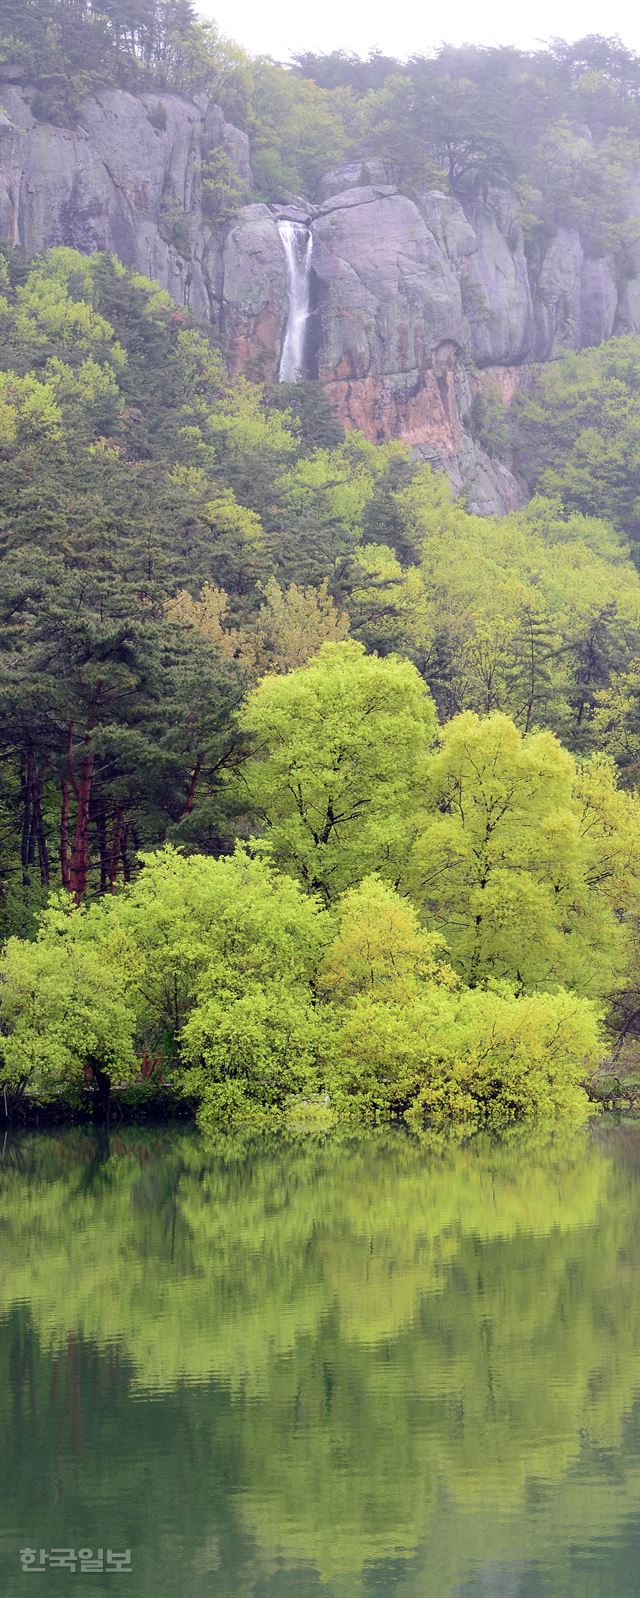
(83, 1561)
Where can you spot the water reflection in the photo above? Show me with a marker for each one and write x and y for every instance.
(351, 1368)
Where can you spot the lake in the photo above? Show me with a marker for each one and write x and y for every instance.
(348, 1367)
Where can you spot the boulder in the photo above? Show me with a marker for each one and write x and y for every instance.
(353, 175)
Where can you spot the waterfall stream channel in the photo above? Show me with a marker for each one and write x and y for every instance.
(297, 244)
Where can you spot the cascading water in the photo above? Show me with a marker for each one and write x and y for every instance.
(297, 243)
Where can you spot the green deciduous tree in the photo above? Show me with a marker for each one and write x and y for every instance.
(338, 748)
(533, 613)
(66, 1013)
(519, 861)
(206, 930)
(468, 1058)
(379, 950)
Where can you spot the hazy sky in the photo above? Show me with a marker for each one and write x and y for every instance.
(399, 27)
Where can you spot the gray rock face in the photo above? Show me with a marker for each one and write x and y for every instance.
(394, 327)
(579, 300)
(254, 295)
(406, 297)
(461, 276)
(496, 292)
(127, 178)
(352, 175)
(558, 297)
(387, 293)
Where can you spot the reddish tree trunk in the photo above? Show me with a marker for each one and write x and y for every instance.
(103, 850)
(114, 865)
(26, 783)
(64, 834)
(66, 783)
(37, 839)
(124, 854)
(193, 784)
(80, 845)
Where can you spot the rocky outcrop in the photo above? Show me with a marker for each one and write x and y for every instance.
(120, 180)
(253, 295)
(419, 307)
(129, 178)
(415, 306)
(393, 330)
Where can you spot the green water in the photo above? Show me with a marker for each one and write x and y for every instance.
(351, 1368)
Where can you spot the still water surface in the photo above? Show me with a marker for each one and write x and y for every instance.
(350, 1368)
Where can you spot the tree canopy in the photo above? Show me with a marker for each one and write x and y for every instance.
(224, 621)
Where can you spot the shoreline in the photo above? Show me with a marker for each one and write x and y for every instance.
(163, 1106)
(125, 1107)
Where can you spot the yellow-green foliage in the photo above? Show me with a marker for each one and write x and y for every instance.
(65, 1004)
(301, 970)
(529, 613)
(171, 535)
(578, 430)
(255, 1000)
(479, 1287)
(298, 971)
(379, 950)
(28, 410)
(469, 1057)
(338, 747)
(135, 476)
(527, 863)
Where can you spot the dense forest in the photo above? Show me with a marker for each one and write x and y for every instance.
(315, 788)
(223, 621)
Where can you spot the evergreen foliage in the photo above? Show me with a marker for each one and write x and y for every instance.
(577, 433)
(223, 620)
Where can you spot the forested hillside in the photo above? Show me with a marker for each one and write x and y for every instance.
(168, 536)
(317, 787)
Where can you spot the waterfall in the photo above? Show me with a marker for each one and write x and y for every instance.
(297, 243)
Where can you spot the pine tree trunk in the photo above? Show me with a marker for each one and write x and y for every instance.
(26, 783)
(193, 784)
(80, 845)
(67, 783)
(37, 839)
(124, 854)
(64, 834)
(118, 829)
(103, 849)
(41, 837)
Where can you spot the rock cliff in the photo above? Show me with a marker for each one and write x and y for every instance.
(414, 307)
